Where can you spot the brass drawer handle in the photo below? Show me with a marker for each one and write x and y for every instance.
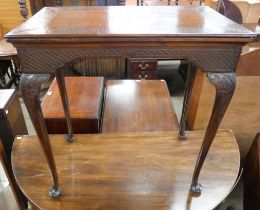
(143, 76)
(143, 67)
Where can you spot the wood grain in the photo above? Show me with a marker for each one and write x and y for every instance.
(241, 116)
(252, 176)
(197, 34)
(127, 171)
(10, 14)
(9, 195)
(85, 99)
(141, 21)
(6, 49)
(12, 121)
(138, 105)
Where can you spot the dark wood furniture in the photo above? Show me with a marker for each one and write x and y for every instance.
(252, 176)
(206, 39)
(242, 115)
(138, 106)
(9, 197)
(12, 121)
(142, 69)
(85, 96)
(143, 171)
(9, 64)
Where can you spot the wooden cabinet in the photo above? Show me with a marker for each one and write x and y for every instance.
(142, 68)
(252, 176)
(12, 122)
(85, 96)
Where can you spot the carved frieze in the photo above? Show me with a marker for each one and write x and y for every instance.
(210, 59)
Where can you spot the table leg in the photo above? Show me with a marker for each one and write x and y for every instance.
(191, 73)
(65, 103)
(225, 84)
(30, 88)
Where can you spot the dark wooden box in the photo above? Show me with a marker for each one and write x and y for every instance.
(138, 106)
(85, 100)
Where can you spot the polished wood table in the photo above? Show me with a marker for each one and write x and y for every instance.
(142, 171)
(9, 53)
(138, 106)
(55, 36)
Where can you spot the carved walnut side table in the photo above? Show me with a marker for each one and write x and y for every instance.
(56, 36)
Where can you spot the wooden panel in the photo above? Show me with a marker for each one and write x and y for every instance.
(85, 99)
(252, 176)
(254, 12)
(144, 171)
(10, 14)
(12, 122)
(249, 62)
(242, 116)
(15, 117)
(8, 196)
(143, 105)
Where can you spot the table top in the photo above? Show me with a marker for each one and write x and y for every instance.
(177, 22)
(127, 171)
(254, 27)
(138, 105)
(84, 95)
(5, 96)
(6, 49)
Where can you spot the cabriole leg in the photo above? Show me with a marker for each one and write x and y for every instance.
(225, 84)
(30, 88)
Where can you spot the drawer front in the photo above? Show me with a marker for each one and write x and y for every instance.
(143, 75)
(142, 69)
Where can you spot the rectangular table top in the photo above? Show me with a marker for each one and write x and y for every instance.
(190, 23)
(138, 105)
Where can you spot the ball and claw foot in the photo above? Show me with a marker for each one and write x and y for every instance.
(69, 138)
(196, 188)
(54, 192)
(183, 136)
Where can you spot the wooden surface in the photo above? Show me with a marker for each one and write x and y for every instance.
(85, 99)
(6, 96)
(9, 198)
(127, 171)
(197, 21)
(54, 36)
(12, 121)
(10, 14)
(242, 115)
(252, 176)
(138, 105)
(195, 33)
(6, 49)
